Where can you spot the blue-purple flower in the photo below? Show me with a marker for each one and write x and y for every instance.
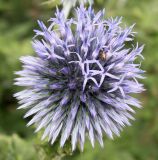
(80, 82)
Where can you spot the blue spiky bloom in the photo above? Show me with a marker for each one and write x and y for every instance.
(80, 82)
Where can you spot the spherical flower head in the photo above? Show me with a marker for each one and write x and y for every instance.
(80, 82)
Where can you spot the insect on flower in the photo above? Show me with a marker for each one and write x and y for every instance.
(81, 85)
(102, 55)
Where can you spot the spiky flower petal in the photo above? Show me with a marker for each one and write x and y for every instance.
(81, 81)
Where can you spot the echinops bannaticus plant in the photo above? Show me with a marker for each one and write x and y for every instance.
(80, 82)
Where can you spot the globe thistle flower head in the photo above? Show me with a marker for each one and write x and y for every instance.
(80, 82)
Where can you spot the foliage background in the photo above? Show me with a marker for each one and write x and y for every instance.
(17, 21)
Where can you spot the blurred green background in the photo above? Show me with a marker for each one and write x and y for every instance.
(17, 21)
